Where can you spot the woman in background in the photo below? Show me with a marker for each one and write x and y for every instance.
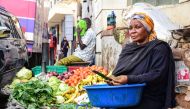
(64, 46)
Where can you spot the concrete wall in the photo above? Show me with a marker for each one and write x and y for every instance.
(101, 20)
(101, 10)
(99, 5)
(110, 52)
(178, 13)
(98, 59)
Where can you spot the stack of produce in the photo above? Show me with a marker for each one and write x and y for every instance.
(62, 76)
(60, 88)
(69, 86)
(82, 73)
(33, 94)
(81, 77)
(24, 75)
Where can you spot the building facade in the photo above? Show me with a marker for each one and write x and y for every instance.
(62, 18)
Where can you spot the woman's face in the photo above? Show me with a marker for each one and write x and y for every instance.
(137, 32)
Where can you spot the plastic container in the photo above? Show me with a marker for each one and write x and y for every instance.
(71, 68)
(111, 19)
(114, 96)
(59, 69)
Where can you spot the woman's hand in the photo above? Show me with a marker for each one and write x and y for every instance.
(117, 80)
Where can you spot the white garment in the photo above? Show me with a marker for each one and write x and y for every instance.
(87, 9)
(88, 53)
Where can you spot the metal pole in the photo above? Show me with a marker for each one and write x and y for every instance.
(51, 45)
(44, 67)
(45, 49)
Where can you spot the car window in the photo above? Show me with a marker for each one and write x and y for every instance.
(4, 21)
(12, 24)
(17, 26)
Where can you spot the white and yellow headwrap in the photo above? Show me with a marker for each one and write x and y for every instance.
(147, 23)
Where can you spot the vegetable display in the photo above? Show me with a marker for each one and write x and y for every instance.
(24, 74)
(33, 94)
(59, 89)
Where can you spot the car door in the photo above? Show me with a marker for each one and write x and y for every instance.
(20, 41)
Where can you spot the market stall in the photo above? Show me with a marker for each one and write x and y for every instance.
(55, 90)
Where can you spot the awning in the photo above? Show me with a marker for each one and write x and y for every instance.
(55, 19)
(58, 11)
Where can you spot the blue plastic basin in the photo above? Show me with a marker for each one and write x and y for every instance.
(114, 96)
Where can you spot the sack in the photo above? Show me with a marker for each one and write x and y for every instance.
(61, 55)
(186, 58)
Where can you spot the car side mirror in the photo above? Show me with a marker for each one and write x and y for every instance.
(4, 31)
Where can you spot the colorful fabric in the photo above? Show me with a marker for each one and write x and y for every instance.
(68, 60)
(147, 23)
(82, 25)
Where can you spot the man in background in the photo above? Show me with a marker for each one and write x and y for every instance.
(85, 44)
(53, 49)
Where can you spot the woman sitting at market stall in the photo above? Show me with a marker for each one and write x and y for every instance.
(147, 60)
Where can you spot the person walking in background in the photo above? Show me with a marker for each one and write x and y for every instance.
(64, 46)
(53, 49)
(85, 44)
